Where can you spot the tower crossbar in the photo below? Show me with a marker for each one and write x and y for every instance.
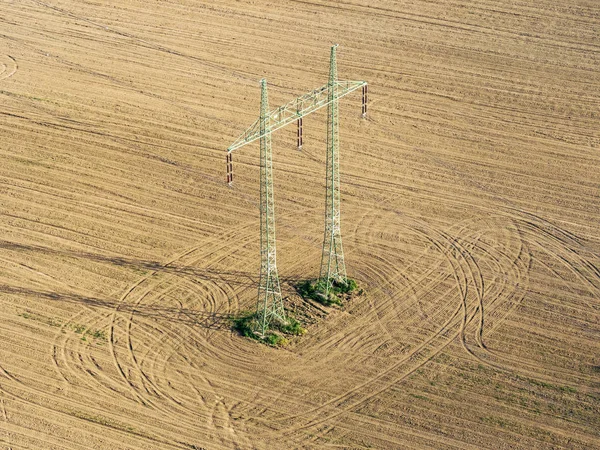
(294, 110)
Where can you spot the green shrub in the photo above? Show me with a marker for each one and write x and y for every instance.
(315, 290)
(248, 324)
(292, 327)
(78, 328)
(276, 340)
(98, 334)
(306, 289)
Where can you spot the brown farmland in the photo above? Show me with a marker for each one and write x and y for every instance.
(470, 216)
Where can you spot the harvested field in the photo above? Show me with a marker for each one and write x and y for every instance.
(470, 215)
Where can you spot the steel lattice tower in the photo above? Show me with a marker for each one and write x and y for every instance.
(269, 304)
(333, 267)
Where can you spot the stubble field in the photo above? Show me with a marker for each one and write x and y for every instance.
(470, 216)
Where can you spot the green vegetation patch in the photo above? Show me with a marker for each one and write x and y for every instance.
(248, 325)
(315, 290)
(543, 384)
(40, 318)
(84, 331)
(495, 421)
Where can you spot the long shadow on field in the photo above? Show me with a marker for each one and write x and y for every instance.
(205, 319)
(143, 266)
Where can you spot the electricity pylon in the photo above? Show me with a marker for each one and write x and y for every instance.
(270, 303)
(333, 266)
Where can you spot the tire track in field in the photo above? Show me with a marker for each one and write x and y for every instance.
(153, 281)
(519, 265)
(458, 247)
(408, 364)
(86, 310)
(492, 299)
(147, 398)
(170, 344)
(384, 277)
(152, 289)
(412, 354)
(184, 406)
(24, 393)
(154, 345)
(35, 390)
(543, 234)
(80, 353)
(166, 333)
(559, 250)
(465, 252)
(8, 67)
(467, 272)
(5, 419)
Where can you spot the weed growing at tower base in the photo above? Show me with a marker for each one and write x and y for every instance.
(315, 290)
(248, 323)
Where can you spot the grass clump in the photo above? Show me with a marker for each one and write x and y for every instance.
(84, 331)
(39, 318)
(78, 328)
(99, 335)
(275, 340)
(292, 327)
(315, 290)
(494, 421)
(248, 325)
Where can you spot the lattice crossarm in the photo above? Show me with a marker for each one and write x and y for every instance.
(297, 108)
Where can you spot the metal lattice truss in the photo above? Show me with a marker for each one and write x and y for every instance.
(333, 266)
(296, 109)
(269, 305)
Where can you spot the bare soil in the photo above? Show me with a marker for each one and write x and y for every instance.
(470, 216)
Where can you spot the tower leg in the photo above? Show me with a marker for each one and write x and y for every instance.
(269, 304)
(333, 267)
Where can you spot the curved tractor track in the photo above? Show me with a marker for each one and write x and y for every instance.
(470, 216)
(8, 66)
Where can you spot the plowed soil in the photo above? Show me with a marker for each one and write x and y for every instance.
(470, 217)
